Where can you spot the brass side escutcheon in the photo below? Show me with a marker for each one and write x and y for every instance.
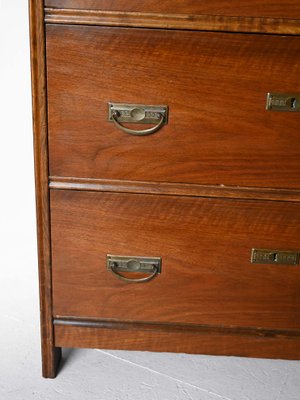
(277, 257)
(283, 102)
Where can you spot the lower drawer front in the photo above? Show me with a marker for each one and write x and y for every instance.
(205, 246)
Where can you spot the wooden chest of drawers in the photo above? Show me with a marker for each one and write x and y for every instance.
(167, 155)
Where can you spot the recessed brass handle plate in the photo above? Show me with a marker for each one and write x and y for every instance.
(137, 114)
(262, 256)
(119, 265)
(283, 102)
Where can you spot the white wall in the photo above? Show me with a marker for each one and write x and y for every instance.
(87, 375)
(17, 219)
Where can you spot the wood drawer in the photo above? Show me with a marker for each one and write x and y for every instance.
(205, 245)
(270, 8)
(219, 132)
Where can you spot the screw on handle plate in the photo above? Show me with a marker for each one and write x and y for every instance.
(120, 265)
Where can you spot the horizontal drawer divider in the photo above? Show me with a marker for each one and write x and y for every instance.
(172, 327)
(174, 21)
(180, 189)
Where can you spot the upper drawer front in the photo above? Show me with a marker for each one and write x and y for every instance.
(215, 85)
(257, 8)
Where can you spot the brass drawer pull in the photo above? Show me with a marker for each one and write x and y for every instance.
(144, 265)
(138, 114)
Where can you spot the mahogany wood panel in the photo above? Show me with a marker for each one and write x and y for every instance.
(180, 189)
(173, 21)
(266, 8)
(218, 133)
(207, 342)
(205, 245)
(50, 354)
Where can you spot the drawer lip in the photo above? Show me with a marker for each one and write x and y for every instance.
(171, 327)
(238, 8)
(167, 188)
(204, 22)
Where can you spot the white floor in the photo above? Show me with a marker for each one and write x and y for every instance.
(86, 374)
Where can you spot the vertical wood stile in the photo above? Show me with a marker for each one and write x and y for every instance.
(50, 354)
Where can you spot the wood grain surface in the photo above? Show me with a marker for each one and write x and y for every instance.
(219, 132)
(50, 354)
(205, 245)
(266, 8)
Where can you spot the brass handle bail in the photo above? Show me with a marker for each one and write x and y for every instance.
(143, 132)
(113, 269)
